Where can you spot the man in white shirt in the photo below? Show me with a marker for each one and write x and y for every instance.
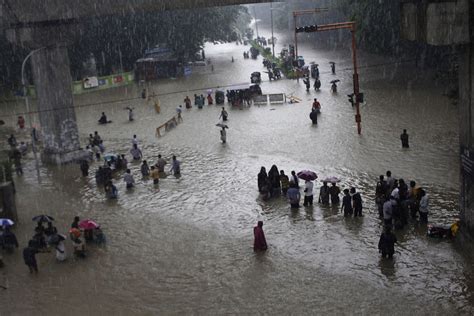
(387, 212)
(128, 179)
(308, 193)
(136, 153)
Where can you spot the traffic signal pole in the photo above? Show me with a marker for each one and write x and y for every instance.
(355, 77)
(300, 13)
(355, 80)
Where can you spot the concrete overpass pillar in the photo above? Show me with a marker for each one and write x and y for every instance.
(53, 83)
(466, 134)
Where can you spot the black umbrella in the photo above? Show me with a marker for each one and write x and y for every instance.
(334, 81)
(43, 219)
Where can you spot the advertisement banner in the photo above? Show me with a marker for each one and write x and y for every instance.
(118, 79)
(90, 82)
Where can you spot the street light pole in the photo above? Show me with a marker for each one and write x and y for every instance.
(25, 94)
(271, 19)
(256, 25)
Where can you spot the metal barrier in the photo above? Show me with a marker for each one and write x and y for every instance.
(273, 98)
(260, 99)
(277, 98)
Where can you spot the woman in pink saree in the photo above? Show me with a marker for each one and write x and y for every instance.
(260, 243)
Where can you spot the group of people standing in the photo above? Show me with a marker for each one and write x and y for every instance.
(276, 183)
(47, 239)
(397, 201)
(113, 163)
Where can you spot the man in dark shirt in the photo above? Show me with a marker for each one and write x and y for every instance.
(404, 139)
(356, 202)
(29, 254)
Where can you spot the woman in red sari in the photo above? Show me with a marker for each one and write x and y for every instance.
(260, 243)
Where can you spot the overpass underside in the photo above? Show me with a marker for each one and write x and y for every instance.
(451, 23)
(48, 26)
(29, 12)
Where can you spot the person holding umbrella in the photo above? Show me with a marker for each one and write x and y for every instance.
(88, 226)
(223, 132)
(8, 240)
(334, 86)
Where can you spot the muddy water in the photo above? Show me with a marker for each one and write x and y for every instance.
(186, 248)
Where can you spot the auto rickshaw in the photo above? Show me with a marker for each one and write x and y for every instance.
(220, 97)
(255, 77)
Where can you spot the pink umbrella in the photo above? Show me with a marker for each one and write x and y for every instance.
(88, 224)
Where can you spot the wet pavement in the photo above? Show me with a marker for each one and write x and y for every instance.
(186, 248)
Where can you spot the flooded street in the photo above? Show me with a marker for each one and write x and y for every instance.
(187, 247)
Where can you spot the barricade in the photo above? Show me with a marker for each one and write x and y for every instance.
(260, 99)
(277, 98)
(171, 123)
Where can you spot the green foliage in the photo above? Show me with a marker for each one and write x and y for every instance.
(108, 37)
(185, 31)
(378, 23)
